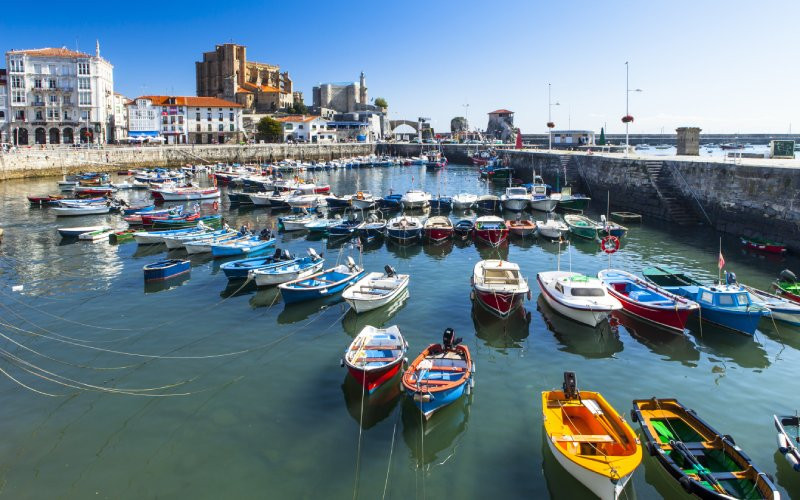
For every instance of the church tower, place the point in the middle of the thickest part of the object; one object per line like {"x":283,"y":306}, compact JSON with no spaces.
{"x":362,"y":97}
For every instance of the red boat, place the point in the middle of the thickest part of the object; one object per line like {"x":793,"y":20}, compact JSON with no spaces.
{"x":763,"y":245}
{"x":491,"y":230}
{"x":44,"y":199}
{"x":375,"y":356}
{"x":647,"y":301}
{"x":499,"y":286}
{"x":148,"y":220}
{"x":326,"y":188}
{"x":438,"y":228}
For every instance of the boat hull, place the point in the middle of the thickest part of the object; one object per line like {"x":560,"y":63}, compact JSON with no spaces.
{"x":499,"y":304}
{"x":492,"y":237}
{"x":167,"y":270}
{"x":437,"y":234}
{"x":372,"y":379}
{"x":598,"y":484}
{"x":263,"y":279}
{"x":294,"y":295}
{"x":515,"y":204}
{"x":590,"y":317}
{"x":543,"y":205}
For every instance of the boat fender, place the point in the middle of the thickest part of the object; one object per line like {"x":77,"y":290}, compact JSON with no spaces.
{"x":634,"y":418}
{"x":216,"y":205}
{"x":468,"y":390}
{"x":727,"y":437}
{"x":686,"y":483}
{"x":341,"y":362}
{"x":350,"y":262}
{"x":792,"y":461}
{"x":472,"y":295}
{"x":473,"y":367}
{"x":423,"y":398}
{"x":651,"y":449}
{"x":783,"y":444}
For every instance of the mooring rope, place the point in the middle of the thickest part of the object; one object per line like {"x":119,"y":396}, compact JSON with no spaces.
{"x":360,"y":434}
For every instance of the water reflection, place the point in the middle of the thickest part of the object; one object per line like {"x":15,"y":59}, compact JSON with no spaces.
{"x":577,"y":338}
{"x":292,"y":313}
{"x":377,"y":406}
{"x":238,"y":287}
{"x":148,"y":250}
{"x":786,"y":476}
{"x":782,"y":333}
{"x":671,"y":346}
{"x":353,"y":323}
{"x":487,"y":251}
{"x":438,"y":250}
{"x":168,"y":284}
{"x":404,"y":251}
{"x":741,"y":349}
{"x":501,"y":333}
{"x":434,"y":440}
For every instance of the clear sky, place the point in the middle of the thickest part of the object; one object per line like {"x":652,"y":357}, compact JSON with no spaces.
{"x":725,"y":66}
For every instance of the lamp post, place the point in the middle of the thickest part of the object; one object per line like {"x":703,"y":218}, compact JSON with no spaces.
{"x":550,"y":123}
{"x":628,"y":118}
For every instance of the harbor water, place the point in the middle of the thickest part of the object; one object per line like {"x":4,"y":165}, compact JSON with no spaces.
{"x":195,"y":388}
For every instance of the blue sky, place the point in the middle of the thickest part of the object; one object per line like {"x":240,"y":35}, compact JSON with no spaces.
{"x":726,"y":66}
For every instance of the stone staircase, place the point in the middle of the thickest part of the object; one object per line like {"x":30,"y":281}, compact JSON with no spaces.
{"x":573,"y":171}
{"x":675,"y":204}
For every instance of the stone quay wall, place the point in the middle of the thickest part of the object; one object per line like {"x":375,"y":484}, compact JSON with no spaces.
{"x":48,"y":162}
{"x":738,"y":199}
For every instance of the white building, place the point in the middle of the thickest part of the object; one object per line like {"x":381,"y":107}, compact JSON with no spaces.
{"x":3,"y":106}
{"x":119,"y":117}
{"x":59,"y":96}
{"x":306,"y":128}
{"x":185,"y":119}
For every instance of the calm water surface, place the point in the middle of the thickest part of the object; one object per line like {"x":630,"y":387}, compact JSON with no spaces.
{"x":193,"y":391}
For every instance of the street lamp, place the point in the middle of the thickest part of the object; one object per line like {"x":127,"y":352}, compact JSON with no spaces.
{"x":550,"y":123}
{"x":627,"y":118}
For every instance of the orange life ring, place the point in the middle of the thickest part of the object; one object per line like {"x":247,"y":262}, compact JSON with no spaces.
{"x":609,"y":244}
{"x":360,"y":196}
{"x":216,"y":205}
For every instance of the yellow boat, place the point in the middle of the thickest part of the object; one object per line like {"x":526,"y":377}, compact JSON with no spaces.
{"x":590,"y":439}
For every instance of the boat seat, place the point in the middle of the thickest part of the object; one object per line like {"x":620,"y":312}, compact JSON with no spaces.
{"x":584,"y":438}
{"x":724,"y":476}
{"x":378,"y":347}
{"x":447,"y":369}
{"x":435,"y":382}
{"x":696,"y":445}
{"x":374,"y":360}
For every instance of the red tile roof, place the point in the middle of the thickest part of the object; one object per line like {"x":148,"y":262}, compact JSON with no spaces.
{"x":262,"y":88}
{"x":208,"y":102}
{"x":296,"y":118}
{"x":50,"y":52}
{"x":501,"y":112}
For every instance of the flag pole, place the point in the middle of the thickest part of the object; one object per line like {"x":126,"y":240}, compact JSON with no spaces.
{"x":719,"y":263}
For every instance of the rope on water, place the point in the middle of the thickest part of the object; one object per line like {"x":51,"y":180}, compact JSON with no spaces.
{"x":391,"y":450}
{"x":360,"y":434}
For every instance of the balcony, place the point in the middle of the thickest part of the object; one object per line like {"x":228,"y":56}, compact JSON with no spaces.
{"x":38,"y":104}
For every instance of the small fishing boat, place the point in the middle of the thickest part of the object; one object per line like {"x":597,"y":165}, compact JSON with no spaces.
{"x":629,"y":217}
{"x":491,"y":230}
{"x":464,"y":201}
{"x":568,"y":201}
{"x":346,"y":228}
{"x":515,"y":199}
{"x":442,"y":203}
{"x":335,"y":202}
{"x":438,"y":228}
{"x":362,"y":200}
{"x":204,"y":245}
{"x":552,"y":228}
{"x":166,"y":269}
{"x":44,"y":199}
{"x":374,"y":227}
{"x":300,"y":201}
{"x":780,"y":309}
{"x":322,"y":224}
{"x":487,"y":203}
{"x":787,"y":286}
{"x":74,"y":232}
{"x":788,"y":428}
{"x":181,"y":239}
{"x":499,"y":287}
{"x":589,"y":438}
{"x":100,"y":234}
{"x":240,"y":269}
{"x":404,"y":229}
{"x":582,"y":226}
{"x":415,"y":199}
{"x":185,"y":194}
{"x":703,"y":461}
{"x":132,"y":209}
{"x":521,"y":227}
{"x":647,"y":301}
{"x":157,"y":237}
{"x":295,"y":222}
{"x":324,"y":284}
{"x":88,"y":209}
{"x":375,"y":290}
{"x":440,"y":375}
{"x":728,"y":305}
{"x":375,"y":356}
{"x":463,"y":229}
{"x":118,"y":237}
{"x":765,"y":246}
{"x":540,"y":200}
{"x":288,"y":271}
{"x":391,"y":202}
{"x":244,"y":246}
{"x":578,"y":297}
{"x":611,"y":228}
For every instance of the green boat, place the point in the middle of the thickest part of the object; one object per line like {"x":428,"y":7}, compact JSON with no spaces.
{"x":121,"y":236}
{"x":582,"y":226}
{"x":787,"y":286}
{"x":569,"y":201}
{"x":701,"y":460}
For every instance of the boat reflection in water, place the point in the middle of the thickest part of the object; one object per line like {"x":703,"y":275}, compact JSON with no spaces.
{"x":438,"y":250}
{"x":377,"y":406}
{"x":406,"y":251}
{"x":670,"y":345}
{"x":265,"y":297}
{"x":354,"y":323}
{"x":508,"y":333}
{"x":437,"y":438}
{"x":489,"y":252}
{"x":300,"y":311}
{"x":168,"y":284}
{"x":591,"y":343}
{"x":235,"y":288}
{"x":741,"y":349}
{"x":785,"y":475}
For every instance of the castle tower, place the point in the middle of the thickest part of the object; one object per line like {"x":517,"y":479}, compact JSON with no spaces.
{"x":362,"y":81}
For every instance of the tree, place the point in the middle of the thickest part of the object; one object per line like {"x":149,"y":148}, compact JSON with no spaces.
{"x":381,"y":102}
{"x":269,"y":130}
{"x":298,"y":108}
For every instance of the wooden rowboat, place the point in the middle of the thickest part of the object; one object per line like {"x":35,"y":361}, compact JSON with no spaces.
{"x":375,"y":356}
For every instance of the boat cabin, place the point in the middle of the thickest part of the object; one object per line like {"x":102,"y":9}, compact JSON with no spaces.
{"x":580,"y":286}
{"x":723,"y":296}
{"x":516,"y":192}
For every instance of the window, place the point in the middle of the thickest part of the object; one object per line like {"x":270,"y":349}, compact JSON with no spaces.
{"x":230,"y":116}
{"x":83,"y":68}
{"x":164,"y":120}
{"x":726,"y":300}
{"x":2,"y":114}
{"x":83,"y":84}
{"x":742,"y":299}
{"x":587,"y":292}
{"x":39,"y":115}
{"x":232,"y":128}
{"x":51,"y":114}
{"x":51,"y":83}
{"x":66,"y":115}
{"x":53,"y":99}
{"x":208,"y":116}
{"x":51,"y":68}
{"x":220,"y":116}
{"x":16,"y":65}
{"x":84,"y":98}
{"x":197,"y":116}
{"x":67,"y":100}
{"x":37,"y":100}
{"x":37,"y":83}
{"x":16,"y":82}
{"x":209,"y":138}
{"x":180,"y":119}
{"x":209,"y":128}
{"x":198,"y":127}
{"x":18,"y":97}
{"x":289,"y":126}
{"x":221,"y":127}
{"x":19,"y":115}
{"x":85,"y":115}
{"x":300,"y":126}
{"x":172,"y":119}
{"x":706,"y":297}
{"x":37,"y":68}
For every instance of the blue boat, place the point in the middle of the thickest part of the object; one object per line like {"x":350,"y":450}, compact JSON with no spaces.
{"x":729,"y":305}
{"x":373,"y":228}
{"x":242,"y":268}
{"x":283,"y":272}
{"x":137,"y":209}
{"x":346,"y":228}
{"x":404,"y":229}
{"x":321,"y":225}
{"x":335,"y":202}
{"x":390,"y":202}
{"x":324,"y":284}
{"x":440,"y":375}
{"x":165,"y":269}
{"x":442,"y":203}
{"x":241,"y":246}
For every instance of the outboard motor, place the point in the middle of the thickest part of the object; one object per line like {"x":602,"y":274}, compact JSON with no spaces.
{"x":787,"y":276}
{"x":449,"y":340}
{"x":390,"y":272}
{"x":570,"y":386}
{"x":264,"y":234}
{"x":730,"y":278}
{"x":277,"y":255}
{"x":286,"y":254}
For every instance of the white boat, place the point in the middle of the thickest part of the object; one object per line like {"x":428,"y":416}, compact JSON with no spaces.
{"x":262,"y":199}
{"x":540,"y":201}
{"x":180,"y":240}
{"x":499,"y":286}
{"x":415,"y":199}
{"x":100,"y":234}
{"x":362,"y":200}
{"x":375,"y":290}
{"x":186,"y":194}
{"x":306,"y":201}
{"x":295,"y":222}
{"x":88,"y":209}
{"x":289,"y":271}
{"x":552,"y":228}
{"x":515,"y":199}
{"x":74,"y":232}
{"x":578,"y":297}
{"x":204,"y":245}
{"x":464,"y":201}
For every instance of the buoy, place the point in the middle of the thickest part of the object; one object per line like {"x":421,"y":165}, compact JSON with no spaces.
{"x":783,"y":444}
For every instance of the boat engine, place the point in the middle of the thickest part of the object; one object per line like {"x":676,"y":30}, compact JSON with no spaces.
{"x":730,"y":278}
{"x":787,"y":276}
{"x":390,"y":272}
{"x":449,"y":340}
{"x":570,"y":386}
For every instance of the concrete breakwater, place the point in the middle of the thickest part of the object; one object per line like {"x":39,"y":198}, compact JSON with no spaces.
{"x":45,"y":162}
{"x":739,"y":199}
